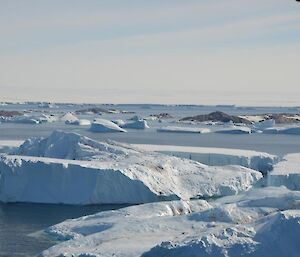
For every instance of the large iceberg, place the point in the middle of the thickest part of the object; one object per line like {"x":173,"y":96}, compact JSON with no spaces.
{"x":69,"y":168}
{"x":293,"y":130}
{"x":138,"y":124}
{"x":260,"y":222}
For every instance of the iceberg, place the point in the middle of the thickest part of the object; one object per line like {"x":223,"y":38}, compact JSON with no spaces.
{"x":260,"y":222}
{"x":72,"y":169}
{"x":138,"y":124}
{"x":68,"y":118}
{"x":102,"y":125}
{"x":79,"y":122}
{"x":286,"y":172}
{"x":264,"y":124}
{"x":183,"y":129}
{"x":119,"y":122}
{"x":260,"y":161}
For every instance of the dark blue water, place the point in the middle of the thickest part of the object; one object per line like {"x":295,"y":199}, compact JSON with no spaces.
{"x":19,"y":220}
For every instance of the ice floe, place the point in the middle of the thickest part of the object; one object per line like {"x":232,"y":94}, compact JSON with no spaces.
{"x":138,"y":124}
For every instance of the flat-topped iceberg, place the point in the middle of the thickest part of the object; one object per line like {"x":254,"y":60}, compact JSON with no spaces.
{"x":260,"y":222}
{"x":286,"y":172}
{"x":214,"y":156}
{"x":183,"y":129}
{"x":69,"y":168}
{"x":102,"y":125}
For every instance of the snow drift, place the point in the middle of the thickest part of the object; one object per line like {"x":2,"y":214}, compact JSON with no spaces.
{"x":69,"y":168}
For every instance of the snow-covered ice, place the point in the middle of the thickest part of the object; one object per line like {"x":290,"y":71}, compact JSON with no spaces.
{"x":183,"y":129}
{"x":69,"y":168}
{"x":102,"y":125}
{"x":286,"y":172}
{"x":260,"y":222}
{"x":260,"y":161}
{"x":138,"y":124}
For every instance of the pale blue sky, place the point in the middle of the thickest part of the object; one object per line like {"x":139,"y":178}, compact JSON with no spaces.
{"x":198,"y":52}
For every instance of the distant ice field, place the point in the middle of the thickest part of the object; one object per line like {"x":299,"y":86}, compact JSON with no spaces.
{"x":274,"y":144}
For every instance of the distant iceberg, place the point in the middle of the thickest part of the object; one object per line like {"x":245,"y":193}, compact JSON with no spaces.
{"x":102,"y":125}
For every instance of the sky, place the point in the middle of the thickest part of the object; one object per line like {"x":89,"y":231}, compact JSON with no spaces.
{"x":159,"y":51}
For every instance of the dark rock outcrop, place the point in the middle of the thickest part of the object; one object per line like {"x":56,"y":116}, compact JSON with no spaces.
{"x":217,"y":116}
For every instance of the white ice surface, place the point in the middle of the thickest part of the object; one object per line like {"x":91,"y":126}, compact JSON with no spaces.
{"x":286,"y":172}
{"x":79,"y":122}
{"x":218,"y":156}
{"x":138,"y":124}
{"x":80,"y":170}
{"x":260,"y":222}
{"x":68,"y":118}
